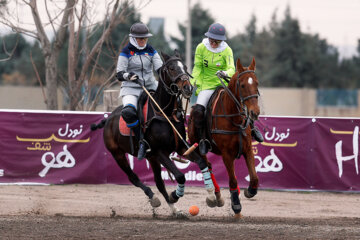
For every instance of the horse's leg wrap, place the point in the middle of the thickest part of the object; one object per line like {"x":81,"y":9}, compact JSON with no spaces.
{"x":235,"y":201}
{"x":180,"y":190}
{"x":209,"y":185}
{"x":211,"y":198}
{"x":216,"y":185}
{"x":178,"y":193}
{"x":236,"y":189}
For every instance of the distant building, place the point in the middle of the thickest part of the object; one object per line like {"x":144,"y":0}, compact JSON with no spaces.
{"x":156,"y":24}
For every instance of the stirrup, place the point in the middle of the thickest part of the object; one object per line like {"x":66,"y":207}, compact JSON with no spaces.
{"x":204,"y":146}
{"x":257,"y":134}
{"x":148,"y":148}
{"x":144,"y":147}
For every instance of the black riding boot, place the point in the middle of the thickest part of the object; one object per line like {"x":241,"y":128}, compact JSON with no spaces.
{"x":200,"y":125}
{"x":204,"y":144}
{"x":143,"y":145}
{"x":143,"y":149}
{"x":256,"y":133}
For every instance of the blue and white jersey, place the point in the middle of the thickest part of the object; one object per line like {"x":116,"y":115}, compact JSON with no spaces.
{"x":141,"y":62}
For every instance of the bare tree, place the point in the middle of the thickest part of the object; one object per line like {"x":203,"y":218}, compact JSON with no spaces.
{"x":66,"y":20}
{"x":8,"y":53}
{"x":3,"y":7}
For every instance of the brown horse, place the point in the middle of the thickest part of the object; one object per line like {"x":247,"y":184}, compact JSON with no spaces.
{"x":228,"y":115}
{"x":163,"y":139}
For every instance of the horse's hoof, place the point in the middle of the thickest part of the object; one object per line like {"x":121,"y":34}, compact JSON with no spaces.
{"x":238,"y":216}
{"x":250,"y":192}
{"x":181,"y":215}
{"x":220,"y":200}
{"x":211,"y":201}
{"x":155,"y":202}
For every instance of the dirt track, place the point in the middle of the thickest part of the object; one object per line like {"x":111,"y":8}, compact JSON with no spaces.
{"x":123,"y":212}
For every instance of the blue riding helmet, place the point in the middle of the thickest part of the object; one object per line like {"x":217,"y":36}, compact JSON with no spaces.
{"x":216,"y":31}
{"x":139,"y":30}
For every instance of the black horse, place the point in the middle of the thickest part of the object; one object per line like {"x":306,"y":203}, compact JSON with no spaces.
{"x":163,"y":139}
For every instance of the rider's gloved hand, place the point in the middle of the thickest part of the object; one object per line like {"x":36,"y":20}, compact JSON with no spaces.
{"x":124,"y":76}
{"x":221,"y":74}
{"x":132,"y":77}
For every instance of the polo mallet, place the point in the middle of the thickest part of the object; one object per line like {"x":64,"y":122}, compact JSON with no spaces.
{"x":189,"y":148}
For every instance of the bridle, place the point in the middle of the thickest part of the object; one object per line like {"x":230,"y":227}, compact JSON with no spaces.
{"x":242,"y":99}
{"x":241,"y":106}
{"x":173,"y":89}
{"x":242,"y":110}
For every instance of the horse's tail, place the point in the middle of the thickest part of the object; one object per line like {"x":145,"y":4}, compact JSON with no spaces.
{"x":95,"y":126}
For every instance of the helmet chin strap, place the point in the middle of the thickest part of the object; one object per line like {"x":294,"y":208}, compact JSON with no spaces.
{"x":134,"y":42}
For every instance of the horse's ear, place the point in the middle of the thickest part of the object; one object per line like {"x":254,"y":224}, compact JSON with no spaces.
{"x":239,"y":67}
{"x":176,"y":53}
{"x":165,"y":57}
{"x":252,"y":65}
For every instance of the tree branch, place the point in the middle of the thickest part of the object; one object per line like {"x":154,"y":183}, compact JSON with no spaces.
{"x":39,"y":26}
{"x":61,"y":34}
{"x":38,"y":78}
{"x":50,"y":19}
{"x":113,"y":21}
{"x":111,"y":78}
{"x":7,"y":53}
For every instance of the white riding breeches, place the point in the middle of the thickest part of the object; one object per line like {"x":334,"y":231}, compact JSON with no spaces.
{"x":130,"y":99}
{"x":204,"y":97}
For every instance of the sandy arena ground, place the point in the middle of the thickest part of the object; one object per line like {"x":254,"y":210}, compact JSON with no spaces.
{"x":123,"y":212}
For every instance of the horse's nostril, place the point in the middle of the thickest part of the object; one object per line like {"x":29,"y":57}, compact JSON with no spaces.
{"x":188,"y":88}
{"x":254,"y":115}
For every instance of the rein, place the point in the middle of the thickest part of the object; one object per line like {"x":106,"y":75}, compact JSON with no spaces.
{"x":242,"y":100}
{"x":174,"y":92}
{"x":241,"y":107}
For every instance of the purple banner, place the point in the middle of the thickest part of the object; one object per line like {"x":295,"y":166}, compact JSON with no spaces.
{"x":51,"y":147}
{"x":59,"y":148}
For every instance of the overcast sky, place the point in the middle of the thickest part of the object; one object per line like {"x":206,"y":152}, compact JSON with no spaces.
{"x":337,"y":21}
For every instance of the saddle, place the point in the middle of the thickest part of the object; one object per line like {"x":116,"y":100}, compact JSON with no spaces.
{"x":210,"y":111}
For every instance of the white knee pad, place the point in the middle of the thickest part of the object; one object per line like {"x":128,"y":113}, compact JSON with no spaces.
{"x":130,"y":99}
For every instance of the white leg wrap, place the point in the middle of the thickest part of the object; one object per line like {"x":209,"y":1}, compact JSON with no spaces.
{"x":180,"y":190}
{"x":209,"y":185}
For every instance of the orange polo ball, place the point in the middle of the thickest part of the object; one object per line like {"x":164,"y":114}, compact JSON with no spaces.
{"x":194,"y":210}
